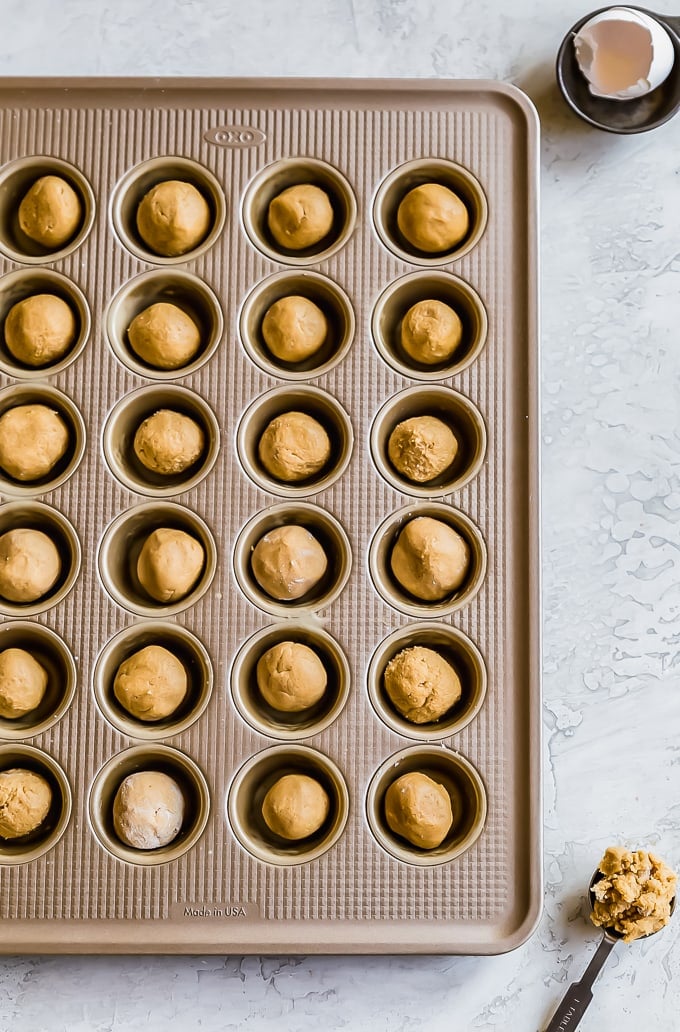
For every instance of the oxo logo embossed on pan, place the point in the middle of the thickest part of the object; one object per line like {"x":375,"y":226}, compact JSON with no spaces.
{"x":235,"y":136}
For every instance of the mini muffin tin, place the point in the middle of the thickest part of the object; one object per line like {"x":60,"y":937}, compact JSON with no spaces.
{"x":227,"y":883}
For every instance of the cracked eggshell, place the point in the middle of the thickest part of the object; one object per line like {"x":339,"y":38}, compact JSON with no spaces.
{"x":623,"y":53}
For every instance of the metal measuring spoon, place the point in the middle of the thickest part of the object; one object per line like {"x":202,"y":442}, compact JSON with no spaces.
{"x":637,"y":115}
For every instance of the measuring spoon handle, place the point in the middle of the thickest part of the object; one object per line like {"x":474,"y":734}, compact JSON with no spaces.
{"x":579,"y":994}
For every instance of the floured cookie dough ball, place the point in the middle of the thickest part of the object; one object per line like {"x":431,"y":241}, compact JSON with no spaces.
{"x":294,"y":446}
{"x":430,"y":558}
{"x":294,"y":328}
{"x":433,"y":218}
{"x":170,"y":564}
{"x":23,"y":682}
{"x":25,"y":800}
{"x":300,"y":216}
{"x":51,"y":212}
{"x":151,"y":683}
{"x":419,"y":809}
{"x":291,"y":677}
{"x":430,"y":332}
{"x":421,"y":685}
{"x":634,"y":895}
{"x":295,"y":806}
{"x":287,"y":562}
{"x":168,"y":442}
{"x":173,"y":218}
{"x":421,"y":448}
{"x":148,"y":810}
{"x":164,"y":336}
{"x":40,"y":329}
{"x":32,"y":440}
{"x":29,"y":564}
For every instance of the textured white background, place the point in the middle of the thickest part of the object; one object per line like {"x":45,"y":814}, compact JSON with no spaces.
{"x":611,"y":523}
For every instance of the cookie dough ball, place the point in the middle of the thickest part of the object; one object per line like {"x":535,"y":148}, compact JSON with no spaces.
{"x":151,"y":683}
{"x":168,"y":442}
{"x":291,"y":677}
{"x":433,"y":218}
{"x":29,"y":564}
{"x":430,"y":558}
{"x":295,"y":806}
{"x":51,"y":212}
{"x":300,"y":216}
{"x":173,"y":218}
{"x":25,"y":800}
{"x":419,"y":809}
{"x":294,"y":328}
{"x":287,"y":562}
{"x":430,"y":332}
{"x":164,"y":336}
{"x":32,"y":440}
{"x":40,"y":330}
{"x":23,"y":682}
{"x":421,"y":685}
{"x":148,"y":810}
{"x":421,"y":448}
{"x":170,"y":564}
{"x":294,"y":447}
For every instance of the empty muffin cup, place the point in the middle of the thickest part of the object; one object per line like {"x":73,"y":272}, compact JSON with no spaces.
{"x":33,"y":451}
{"x":36,"y":516}
{"x":277,"y":403}
{"x":122,"y":543}
{"x":50,"y":652}
{"x":34,"y":844}
{"x":401,"y":295}
{"x":395,"y":187}
{"x":253,"y":781}
{"x":152,"y":758}
{"x":466,"y":793}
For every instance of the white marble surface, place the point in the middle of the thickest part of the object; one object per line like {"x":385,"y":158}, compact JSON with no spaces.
{"x":611,"y":523}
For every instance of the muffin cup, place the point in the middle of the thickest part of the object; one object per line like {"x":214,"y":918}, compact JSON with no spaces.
{"x":257,"y":712}
{"x":149,"y":758}
{"x":16,"y":179}
{"x":330,"y":535}
{"x":384,"y":540}
{"x":125,"y":419}
{"x":326,"y":294}
{"x":251,"y":784}
{"x":38,"y":516}
{"x":12,"y":397}
{"x":453,"y":646}
{"x":122,"y":542}
{"x":37,"y":843}
{"x":271,"y":181}
{"x":466,"y":791}
{"x":314,"y":402}
{"x":401,"y":295}
{"x":460,"y":415}
{"x":55,"y":657}
{"x":406,"y":177}
{"x":185,"y":646}
{"x":131,"y":189}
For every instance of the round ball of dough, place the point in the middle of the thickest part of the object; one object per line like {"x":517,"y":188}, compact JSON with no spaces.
{"x":288,"y":561}
{"x":173,"y":218}
{"x":295,"y":806}
{"x":433,"y":218}
{"x":294,"y":446}
{"x":25,"y":800}
{"x":23,"y":682}
{"x":300,"y":216}
{"x":151,"y":683}
{"x":294,"y":328}
{"x":168,"y":442}
{"x":421,"y":685}
{"x":164,"y":336}
{"x":421,"y":448}
{"x":51,"y":212}
{"x":32,"y":440}
{"x":40,"y":329}
{"x":148,"y":810}
{"x":430,"y":558}
{"x":29,"y":564}
{"x":291,"y":677}
{"x":170,"y":564}
{"x":430,"y":332}
{"x":419,"y":809}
